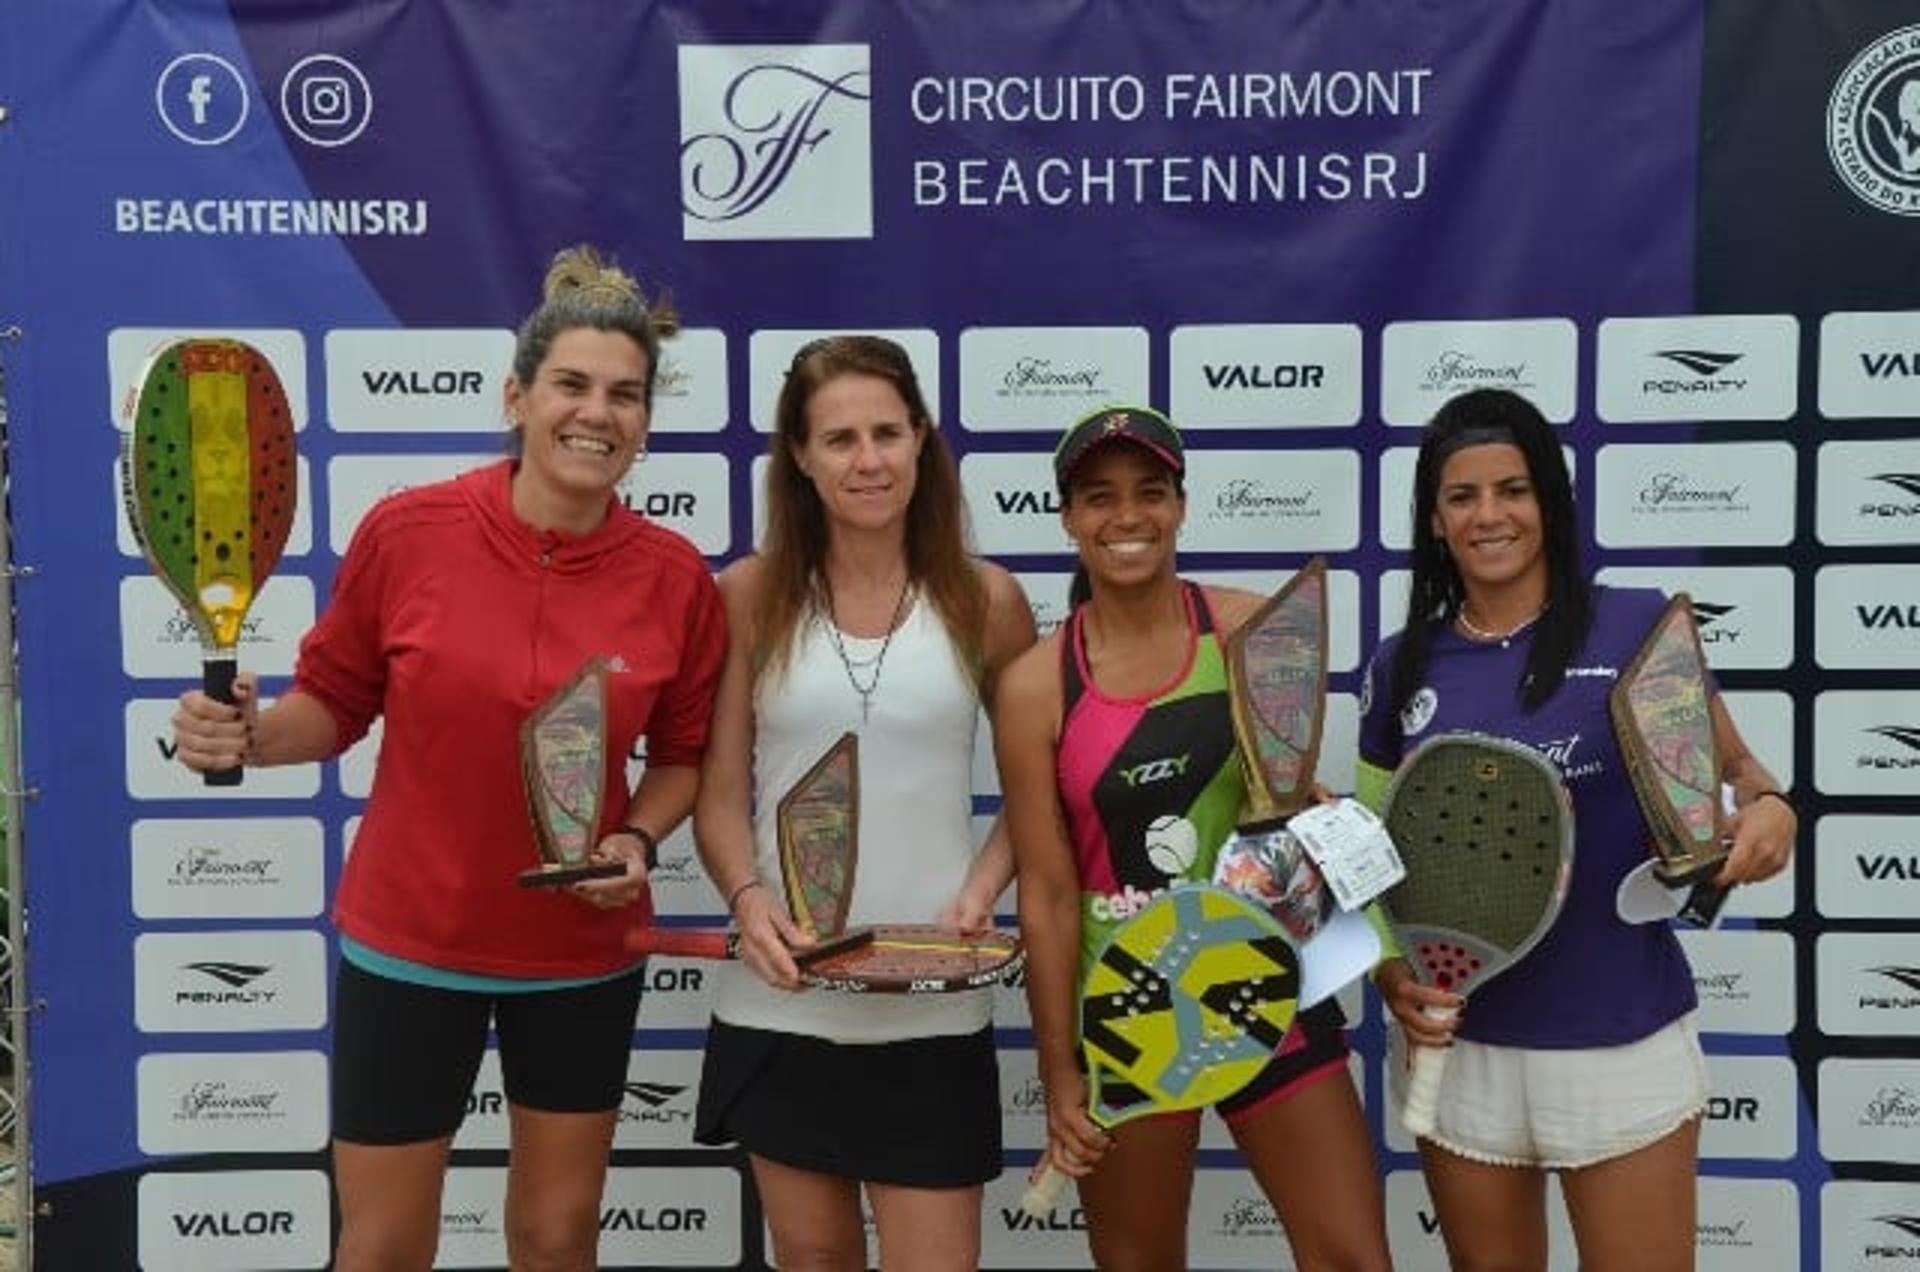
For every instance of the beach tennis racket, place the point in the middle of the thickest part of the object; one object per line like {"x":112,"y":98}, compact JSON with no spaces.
{"x":1277,"y":689}
{"x":1662,"y":718}
{"x":1485,"y":828}
{"x":886,"y":958}
{"x":208,"y":476}
{"x":1184,"y":1006}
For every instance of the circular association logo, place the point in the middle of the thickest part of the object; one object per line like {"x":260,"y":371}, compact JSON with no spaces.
{"x":1418,"y":713}
{"x":1873,"y":123}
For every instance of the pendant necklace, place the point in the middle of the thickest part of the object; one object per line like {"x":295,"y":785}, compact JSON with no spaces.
{"x":878,"y":661}
{"x":1505,"y":638}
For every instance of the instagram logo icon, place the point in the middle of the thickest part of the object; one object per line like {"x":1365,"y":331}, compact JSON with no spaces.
{"x":325,"y":100}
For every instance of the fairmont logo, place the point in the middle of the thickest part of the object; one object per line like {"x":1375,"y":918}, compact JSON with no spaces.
{"x":1456,"y":370}
{"x":1041,"y":377}
{"x":216,"y":1101}
{"x":216,"y":867}
{"x":1245,"y":497}
{"x":1705,"y":369}
{"x":1249,"y":1216}
{"x":447,"y":382}
{"x":178,"y":629}
{"x":1906,"y":736}
{"x":1029,"y":1097}
{"x":670,"y":379}
{"x":1282,"y":375}
{"x":1678,"y":491}
{"x":1892,"y":1106}
{"x":1561,"y":752}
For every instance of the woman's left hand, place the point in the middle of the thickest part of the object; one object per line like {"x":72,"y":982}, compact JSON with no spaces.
{"x":1763,"y":834}
{"x":966,"y":913}
{"x":616,"y":891}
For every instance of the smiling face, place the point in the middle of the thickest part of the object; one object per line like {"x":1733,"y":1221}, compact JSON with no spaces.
{"x":1123,"y":512}
{"x":581,"y":421}
{"x":861,"y":452}
{"x":1488,"y":515}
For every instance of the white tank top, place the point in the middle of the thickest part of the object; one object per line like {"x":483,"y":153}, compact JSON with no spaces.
{"x":916,"y":807}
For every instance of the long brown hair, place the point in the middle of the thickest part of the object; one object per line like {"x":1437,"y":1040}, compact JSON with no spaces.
{"x":793,"y":553}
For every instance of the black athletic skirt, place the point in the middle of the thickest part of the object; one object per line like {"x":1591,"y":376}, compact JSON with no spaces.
{"x":920,"y":1113}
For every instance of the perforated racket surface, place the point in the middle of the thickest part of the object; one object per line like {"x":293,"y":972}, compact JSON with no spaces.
{"x":887,"y":958}
{"x":1485,"y":828}
{"x":1663,"y":720}
{"x":209,"y":483}
{"x":1184,"y":1006}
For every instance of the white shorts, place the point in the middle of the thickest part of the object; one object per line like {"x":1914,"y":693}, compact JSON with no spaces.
{"x":1560,"y":1110}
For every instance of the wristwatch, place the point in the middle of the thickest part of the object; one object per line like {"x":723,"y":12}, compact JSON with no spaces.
{"x":648,"y":844}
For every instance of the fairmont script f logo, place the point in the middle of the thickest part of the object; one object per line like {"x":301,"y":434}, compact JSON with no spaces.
{"x":775,"y":141}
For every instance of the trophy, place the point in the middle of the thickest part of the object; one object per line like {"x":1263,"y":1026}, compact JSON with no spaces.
{"x":818,"y":826}
{"x":1276,"y":678}
{"x":563,"y":765}
{"x":1661,"y":716}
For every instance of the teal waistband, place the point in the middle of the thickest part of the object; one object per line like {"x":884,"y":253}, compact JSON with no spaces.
{"x":400,"y":969}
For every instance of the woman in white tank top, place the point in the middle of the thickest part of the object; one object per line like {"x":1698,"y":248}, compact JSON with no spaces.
{"x":863,"y":613}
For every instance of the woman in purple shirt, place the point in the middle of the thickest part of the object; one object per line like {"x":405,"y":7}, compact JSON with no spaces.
{"x":1583,"y":1059}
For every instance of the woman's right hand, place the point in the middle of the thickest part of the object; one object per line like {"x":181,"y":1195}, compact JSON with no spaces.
{"x":1075,"y":1142}
{"x":767,"y":936}
{"x":216,"y":735}
{"x":1426,"y":1014}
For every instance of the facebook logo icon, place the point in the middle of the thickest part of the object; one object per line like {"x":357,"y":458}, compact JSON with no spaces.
{"x":202,"y":99}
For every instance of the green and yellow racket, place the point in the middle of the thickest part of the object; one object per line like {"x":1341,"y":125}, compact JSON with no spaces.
{"x":208,"y":475}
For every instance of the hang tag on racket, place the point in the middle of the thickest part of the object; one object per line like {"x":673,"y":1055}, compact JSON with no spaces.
{"x":1352,"y":848}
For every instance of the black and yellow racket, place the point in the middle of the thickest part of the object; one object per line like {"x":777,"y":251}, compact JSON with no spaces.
{"x":1185,"y":1005}
{"x":1485,"y":828}
{"x":208,"y":475}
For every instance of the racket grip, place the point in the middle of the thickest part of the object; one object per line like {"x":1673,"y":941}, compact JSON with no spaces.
{"x":216,"y":681}
{"x":1423,"y":1088}
{"x":1044,"y":1191}
{"x":684,"y":942}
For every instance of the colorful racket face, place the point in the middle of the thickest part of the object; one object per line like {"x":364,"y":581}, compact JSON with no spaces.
{"x":1485,"y":828}
{"x":818,"y":822}
{"x":1662,"y":717}
{"x":1277,"y":685}
{"x":209,"y":478}
{"x":563,"y":763}
{"x":1186,"y":1004}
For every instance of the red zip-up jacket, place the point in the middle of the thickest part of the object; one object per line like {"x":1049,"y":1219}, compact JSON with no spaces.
{"x":454,"y":620}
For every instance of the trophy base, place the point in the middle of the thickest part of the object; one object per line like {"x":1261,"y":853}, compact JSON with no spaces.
{"x":557,"y":876}
{"x":1682,"y":872}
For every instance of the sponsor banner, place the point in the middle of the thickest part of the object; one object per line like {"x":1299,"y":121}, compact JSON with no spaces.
{"x":1869,"y":493}
{"x":228,"y":868}
{"x":229,"y":982}
{"x":1870,"y":1110}
{"x":670,"y":1217}
{"x":1413,"y":1226}
{"x":690,"y":385}
{"x":1868,"y":983}
{"x":1395,"y":587}
{"x":400,"y":380}
{"x":1744,"y":1224}
{"x":1285,"y":502}
{"x":357,"y":762}
{"x":1867,"y":742}
{"x":770,"y":353}
{"x":485,"y":1123}
{"x":1422,"y":364}
{"x":775,"y":141}
{"x":235,"y":1221}
{"x":1867,"y":616}
{"x":1047,"y":593}
{"x":236,"y":1102}
{"x":1870,"y":364}
{"x":1765,"y":720}
{"x":299,"y":535}
{"x":357,"y":482}
{"x":129,"y":349}
{"x":1738,"y":609}
{"x":1012,"y":1238}
{"x":1705,"y":367}
{"x":1870,"y":1225}
{"x":1867,"y":867}
{"x":1744,"y":980}
{"x":158,"y":641}
{"x":679,"y":883}
{"x":1726,"y":494}
{"x":1343,"y":606}
{"x":473,"y":1220}
{"x":1015,"y":506}
{"x":1265,"y":375}
{"x":684,"y":493}
{"x":678,"y":994}
{"x":1044,"y":378}
{"x":1023,"y":1100}
{"x":1753,"y":1109}
{"x":153,"y":772}
{"x":657,"y":1100}
{"x":1231,"y":1224}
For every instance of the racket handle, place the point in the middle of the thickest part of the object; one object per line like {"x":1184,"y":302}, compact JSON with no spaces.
{"x":713,"y":943}
{"x":216,"y":681}
{"x":1423,"y":1088}
{"x":1043,"y":1191}
{"x":1702,"y":908}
